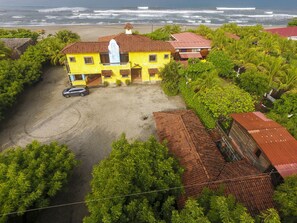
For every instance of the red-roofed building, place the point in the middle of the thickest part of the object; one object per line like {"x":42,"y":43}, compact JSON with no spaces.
{"x":204,"y":165}
{"x":189,"y":45}
{"x":287,"y":32}
{"x":267,"y":144}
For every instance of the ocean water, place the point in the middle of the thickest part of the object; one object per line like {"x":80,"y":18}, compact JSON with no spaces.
{"x":187,"y":12}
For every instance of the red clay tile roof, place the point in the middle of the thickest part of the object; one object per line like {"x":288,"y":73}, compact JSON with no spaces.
{"x":127,"y":43}
{"x":279,"y":146}
{"x":204,"y":165}
{"x":190,"y":55}
{"x":189,"y":40}
{"x":285,"y":31}
{"x":232,"y":36}
{"x":128,"y":26}
{"x":86,"y":47}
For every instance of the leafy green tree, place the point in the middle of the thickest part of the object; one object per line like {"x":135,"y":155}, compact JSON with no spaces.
{"x":203,"y":31}
{"x":18,"y":33}
{"x":164,"y":33}
{"x":222,"y":101}
{"x":292,"y":22}
{"x":288,"y":81}
{"x":220,"y":208}
{"x":254,"y":82}
{"x":284,"y":111}
{"x":226,"y":209}
{"x":206,"y":81}
{"x":197,"y":67}
{"x":132,"y":184}
{"x":10,"y":85}
{"x":222,"y":62}
{"x":30,"y":176}
{"x":191,"y":213}
{"x":270,"y":216}
{"x":285,"y":197}
{"x":171,"y":74}
{"x":67,"y":36}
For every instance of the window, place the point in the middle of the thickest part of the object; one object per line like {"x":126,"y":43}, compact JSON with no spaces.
{"x":78,"y":77}
{"x":104,"y":57}
{"x":88,"y":60}
{"x":72,"y":59}
{"x":124,"y":57}
{"x":195,"y":50}
{"x":153,"y":58}
{"x":166,"y":56}
{"x":258,"y":153}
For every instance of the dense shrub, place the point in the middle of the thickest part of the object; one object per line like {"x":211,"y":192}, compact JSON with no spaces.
{"x":118,"y":82}
{"x":284,"y":111}
{"x":170,"y":75}
{"x":222,"y":62}
{"x":285,"y":196}
{"x":15,"y":75}
{"x":193,"y":102}
{"x":254,"y":82}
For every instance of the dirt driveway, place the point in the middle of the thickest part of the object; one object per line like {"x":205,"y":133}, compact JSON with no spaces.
{"x":87,"y":125}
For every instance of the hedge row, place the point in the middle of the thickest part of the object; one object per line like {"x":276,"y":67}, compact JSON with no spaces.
{"x":193,"y":102}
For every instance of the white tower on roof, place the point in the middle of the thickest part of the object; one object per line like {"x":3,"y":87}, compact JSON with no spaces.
{"x":128,"y":28}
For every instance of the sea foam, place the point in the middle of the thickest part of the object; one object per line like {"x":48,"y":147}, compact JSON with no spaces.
{"x":235,"y":9}
{"x":62,"y":9}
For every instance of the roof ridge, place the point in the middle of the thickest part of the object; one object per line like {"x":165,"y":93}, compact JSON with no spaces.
{"x":190,"y":141}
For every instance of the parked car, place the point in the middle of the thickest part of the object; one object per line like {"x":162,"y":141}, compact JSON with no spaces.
{"x":75,"y":91}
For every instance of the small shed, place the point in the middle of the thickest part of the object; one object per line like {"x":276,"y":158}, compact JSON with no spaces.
{"x":267,"y":144}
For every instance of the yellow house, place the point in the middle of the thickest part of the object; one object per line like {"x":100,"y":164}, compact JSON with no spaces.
{"x":123,"y":57}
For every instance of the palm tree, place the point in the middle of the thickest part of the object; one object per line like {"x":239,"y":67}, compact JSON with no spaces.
{"x":288,"y":81}
{"x":206,"y":81}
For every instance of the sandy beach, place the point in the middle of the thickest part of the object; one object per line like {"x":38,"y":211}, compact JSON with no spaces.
{"x":92,"y":32}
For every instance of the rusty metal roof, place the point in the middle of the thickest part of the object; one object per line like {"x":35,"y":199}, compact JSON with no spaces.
{"x":278,"y":145}
{"x":204,"y":165}
{"x":254,"y":121}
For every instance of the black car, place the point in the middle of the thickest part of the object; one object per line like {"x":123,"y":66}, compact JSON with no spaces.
{"x":75,"y":91}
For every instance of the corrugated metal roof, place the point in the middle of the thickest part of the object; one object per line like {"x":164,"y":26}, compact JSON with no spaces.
{"x":278,"y":145}
{"x":204,"y":165}
{"x":287,"y":169}
{"x":254,"y":121}
{"x":189,"y":40}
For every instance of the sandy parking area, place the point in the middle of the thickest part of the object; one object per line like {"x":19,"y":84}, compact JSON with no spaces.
{"x":87,"y":125}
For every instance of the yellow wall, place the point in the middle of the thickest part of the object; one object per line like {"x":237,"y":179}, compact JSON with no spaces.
{"x":137,"y":59}
{"x":79,"y":67}
{"x":142,"y":59}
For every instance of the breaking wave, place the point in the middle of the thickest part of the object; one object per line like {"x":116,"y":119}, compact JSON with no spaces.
{"x":62,"y":9}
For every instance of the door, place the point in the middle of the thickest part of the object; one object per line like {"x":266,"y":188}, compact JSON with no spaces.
{"x":136,"y":75}
{"x":94,"y":80}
